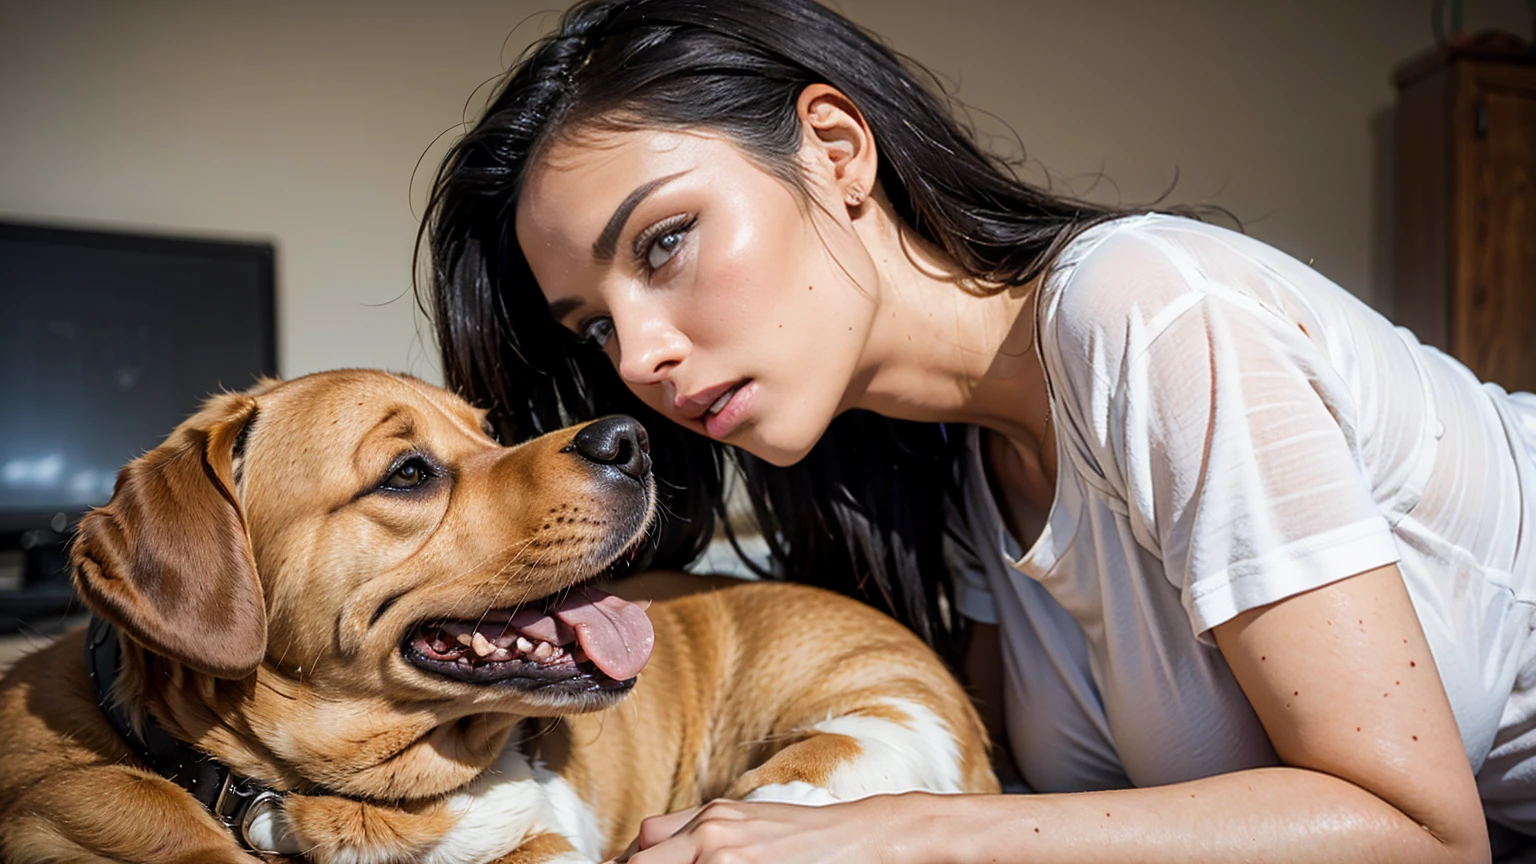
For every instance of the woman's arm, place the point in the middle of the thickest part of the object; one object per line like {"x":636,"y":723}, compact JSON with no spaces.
{"x":1344,"y":683}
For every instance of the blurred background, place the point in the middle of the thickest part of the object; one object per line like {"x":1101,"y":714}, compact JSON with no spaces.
{"x":315,"y":127}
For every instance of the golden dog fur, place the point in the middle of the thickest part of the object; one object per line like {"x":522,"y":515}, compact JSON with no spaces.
{"x":264,"y":587}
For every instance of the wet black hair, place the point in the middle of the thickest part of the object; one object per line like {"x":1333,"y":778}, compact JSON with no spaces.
{"x":864,"y":512}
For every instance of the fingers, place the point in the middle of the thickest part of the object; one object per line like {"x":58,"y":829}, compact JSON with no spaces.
{"x":654,"y":830}
{"x":658,"y":828}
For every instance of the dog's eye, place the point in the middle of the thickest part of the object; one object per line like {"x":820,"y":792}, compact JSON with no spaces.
{"x":411,"y":474}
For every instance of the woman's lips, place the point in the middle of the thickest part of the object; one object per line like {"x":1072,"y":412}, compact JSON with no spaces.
{"x":696,"y":406}
{"x":730,"y":415}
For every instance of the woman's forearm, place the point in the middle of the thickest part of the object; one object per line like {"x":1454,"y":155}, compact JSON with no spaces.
{"x":1263,"y":815}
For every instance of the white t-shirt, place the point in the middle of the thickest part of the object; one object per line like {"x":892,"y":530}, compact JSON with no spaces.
{"x":1233,"y":429}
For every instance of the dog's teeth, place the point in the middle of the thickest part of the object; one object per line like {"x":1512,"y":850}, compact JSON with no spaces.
{"x":524,"y":645}
{"x":481,"y":645}
{"x":544,"y":651}
{"x":465,"y":640}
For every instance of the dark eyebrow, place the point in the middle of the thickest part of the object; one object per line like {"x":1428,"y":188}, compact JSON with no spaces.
{"x":603,"y":249}
{"x":561,"y":308}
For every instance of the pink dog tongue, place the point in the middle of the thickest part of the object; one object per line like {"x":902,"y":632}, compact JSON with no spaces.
{"x":615,"y":634}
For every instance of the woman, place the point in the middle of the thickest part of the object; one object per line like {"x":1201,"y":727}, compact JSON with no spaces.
{"x":1212,"y":525}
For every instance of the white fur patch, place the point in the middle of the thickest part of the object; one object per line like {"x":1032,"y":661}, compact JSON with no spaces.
{"x":797,"y":792}
{"x":269,"y":832}
{"x":897,"y":757}
{"x":513,"y":800}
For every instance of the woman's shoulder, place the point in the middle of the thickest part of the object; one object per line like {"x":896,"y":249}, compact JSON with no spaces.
{"x":1137,"y":274}
{"x":1112,"y":276}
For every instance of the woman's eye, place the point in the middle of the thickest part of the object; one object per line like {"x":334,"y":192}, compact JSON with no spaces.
{"x":656,"y":245}
{"x":597,"y":331}
{"x":408,"y":476}
{"x":664,"y":248}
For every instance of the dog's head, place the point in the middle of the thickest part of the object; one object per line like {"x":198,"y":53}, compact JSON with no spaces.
{"x":358,"y":551}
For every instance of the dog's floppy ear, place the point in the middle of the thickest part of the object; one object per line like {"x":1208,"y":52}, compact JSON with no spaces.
{"x":168,"y":560}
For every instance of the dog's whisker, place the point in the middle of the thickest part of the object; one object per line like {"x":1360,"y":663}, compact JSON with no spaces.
{"x":499,"y":572}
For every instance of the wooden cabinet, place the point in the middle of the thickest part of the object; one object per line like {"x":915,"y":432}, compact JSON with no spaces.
{"x":1466,"y":208}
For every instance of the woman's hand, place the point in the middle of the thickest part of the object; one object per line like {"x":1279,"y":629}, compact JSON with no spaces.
{"x":853,"y":832}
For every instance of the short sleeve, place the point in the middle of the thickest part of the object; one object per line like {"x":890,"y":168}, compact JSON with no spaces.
{"x":1218,"y":424}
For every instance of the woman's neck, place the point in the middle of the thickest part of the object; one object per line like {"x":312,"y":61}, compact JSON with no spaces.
{"x":940,"y":352}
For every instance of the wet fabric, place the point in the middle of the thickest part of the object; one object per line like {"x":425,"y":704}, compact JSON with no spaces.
{"x":1233,"y":429}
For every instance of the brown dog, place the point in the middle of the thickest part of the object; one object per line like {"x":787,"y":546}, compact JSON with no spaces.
{"x":379,"y":625}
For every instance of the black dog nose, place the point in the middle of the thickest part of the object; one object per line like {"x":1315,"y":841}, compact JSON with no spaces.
{"x":618,"y":441}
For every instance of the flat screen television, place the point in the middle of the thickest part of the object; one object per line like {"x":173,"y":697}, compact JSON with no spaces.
{"x":111,"y":340}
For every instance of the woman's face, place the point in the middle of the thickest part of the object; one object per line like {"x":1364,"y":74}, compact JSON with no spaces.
{"x":705,"y":280}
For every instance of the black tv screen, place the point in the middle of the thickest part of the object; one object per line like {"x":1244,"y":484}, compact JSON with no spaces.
{"x":112,"y":340}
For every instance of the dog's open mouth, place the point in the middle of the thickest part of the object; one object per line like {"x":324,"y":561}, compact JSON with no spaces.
{"x":584,"y":640}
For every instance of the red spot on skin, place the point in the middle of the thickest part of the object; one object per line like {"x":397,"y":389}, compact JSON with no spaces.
{"x":810,"y":287}
{"x":1262,"y":658}
{"x":1357,"y":728}
{"x":1037,"y":830}
{"x":1415,"y":737}
{"x":1412,"y":664}
{"x":1296,"y":693}
{"x":1398,"y":683}
{"x":1106,"y":815}
{"x":1385,"y":695}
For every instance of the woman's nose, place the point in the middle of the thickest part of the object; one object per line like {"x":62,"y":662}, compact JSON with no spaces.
{"x":649,"y":350}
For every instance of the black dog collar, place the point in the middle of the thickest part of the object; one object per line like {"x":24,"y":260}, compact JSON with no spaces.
{"x":235,"y":801}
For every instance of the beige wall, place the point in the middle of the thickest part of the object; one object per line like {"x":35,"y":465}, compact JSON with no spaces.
{"x":303,"y":122}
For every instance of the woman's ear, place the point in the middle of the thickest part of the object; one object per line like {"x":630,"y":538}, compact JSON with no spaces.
{"x":168,"y":559}
{"x":837,"y":144}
